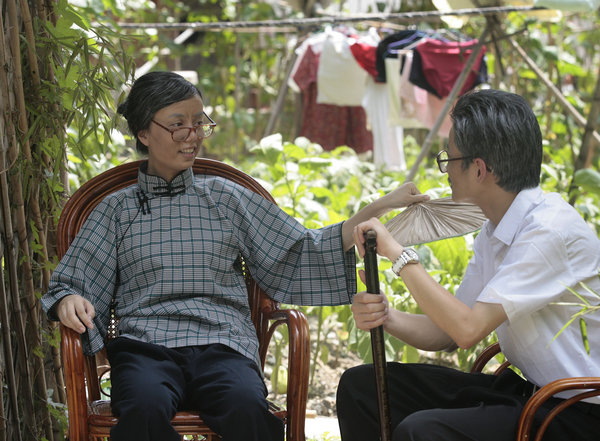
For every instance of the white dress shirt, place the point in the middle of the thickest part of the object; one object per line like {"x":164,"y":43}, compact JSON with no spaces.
{"x":540,"y":249}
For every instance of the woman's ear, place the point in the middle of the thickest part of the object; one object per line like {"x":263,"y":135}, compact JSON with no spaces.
{"x":142,"y":135}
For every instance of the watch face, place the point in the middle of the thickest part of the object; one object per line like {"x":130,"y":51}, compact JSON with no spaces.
{"x":412,"y":254}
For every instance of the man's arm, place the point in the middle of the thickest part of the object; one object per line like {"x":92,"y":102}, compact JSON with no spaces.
{"x":372,"y":310}
{"x":464,"y":325}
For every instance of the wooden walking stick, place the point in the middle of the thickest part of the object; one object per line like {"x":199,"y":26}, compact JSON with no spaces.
{"x":377,"y":342}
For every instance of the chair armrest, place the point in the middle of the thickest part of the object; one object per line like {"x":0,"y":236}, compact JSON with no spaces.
{"x":547,"y":392}
{"x":74,"y":372}
{"x":486,"y":355}
{"x":298,"y":366}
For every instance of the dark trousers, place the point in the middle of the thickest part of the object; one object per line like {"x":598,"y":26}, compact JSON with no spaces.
{"x":150,"y":383}
{"x":435,"y":403}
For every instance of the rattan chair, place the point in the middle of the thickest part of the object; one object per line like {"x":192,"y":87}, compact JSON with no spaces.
{"x":90,"y":417}
{"x":589,"y":386}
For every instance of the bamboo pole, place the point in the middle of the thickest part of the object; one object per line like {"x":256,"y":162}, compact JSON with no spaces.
{"x":11,"y":380}
{"x":278,"y":106}
{"x":30,"y":37}
{"x":35,"y":183}
{"x":33,"y":307}
{"x":586,"y":152}
{"x":10,"y":263}
{"x":311,"y":22}
{"x":45,"y":13}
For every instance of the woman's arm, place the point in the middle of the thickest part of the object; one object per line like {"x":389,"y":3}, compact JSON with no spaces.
{"x":405,"y":195}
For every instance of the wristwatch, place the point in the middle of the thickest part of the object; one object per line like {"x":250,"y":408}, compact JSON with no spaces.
{"x":408,"y":256}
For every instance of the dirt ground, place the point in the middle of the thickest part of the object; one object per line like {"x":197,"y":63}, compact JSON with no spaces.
{"x":321,"y":393}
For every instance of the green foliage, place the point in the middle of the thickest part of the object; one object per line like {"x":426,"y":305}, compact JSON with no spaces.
{"x":89,"y":73}
{"x":58,"y":412}
{"x":325,"y":437}
{"x":588,"y":180}
{"x":586,"y":308}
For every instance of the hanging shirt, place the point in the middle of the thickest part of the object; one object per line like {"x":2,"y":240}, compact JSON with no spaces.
{"x":418,"y":107}
{"x":388,"y":47}
{"x":326,"y":124}
{"x":340,"y":79}
{"x":438,"y":64}
{"x":364,"y":54}
{"x":388,"y":139}
{"x":540,"y":249}
{"x":173,"y":260}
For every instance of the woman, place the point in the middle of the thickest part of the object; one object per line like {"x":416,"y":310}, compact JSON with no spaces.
{"x":167,"y":252}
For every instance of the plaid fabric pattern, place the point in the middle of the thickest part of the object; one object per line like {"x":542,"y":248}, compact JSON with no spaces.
{"x":171,"y":253}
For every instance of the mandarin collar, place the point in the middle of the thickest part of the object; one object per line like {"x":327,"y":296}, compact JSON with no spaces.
{"x":157,"y":186}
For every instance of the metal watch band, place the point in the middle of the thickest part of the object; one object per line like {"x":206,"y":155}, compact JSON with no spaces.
{"x":408,"y":256}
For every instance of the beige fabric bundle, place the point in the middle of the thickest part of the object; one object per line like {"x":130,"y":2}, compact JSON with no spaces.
{"x":434,"y":220}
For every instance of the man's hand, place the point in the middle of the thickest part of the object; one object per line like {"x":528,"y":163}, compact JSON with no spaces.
{"x":369,"y":310}
{"x":386,"y":244}
{"x":76,"y":313}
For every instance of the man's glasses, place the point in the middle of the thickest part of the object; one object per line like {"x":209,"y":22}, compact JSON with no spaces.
{"x":443,"y":160}
{"x":180,"y":134}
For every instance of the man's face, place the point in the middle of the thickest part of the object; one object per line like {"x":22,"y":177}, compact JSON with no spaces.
{"x":457,"y":176}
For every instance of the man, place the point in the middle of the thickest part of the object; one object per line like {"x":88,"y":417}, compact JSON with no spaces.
{"x":531,"y":251}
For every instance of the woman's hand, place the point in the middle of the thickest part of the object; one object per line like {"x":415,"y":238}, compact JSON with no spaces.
{"x":405,"y":195}
{"x":76,"y":313}
{"x":369,"y":310}
{"x":386,"y":244}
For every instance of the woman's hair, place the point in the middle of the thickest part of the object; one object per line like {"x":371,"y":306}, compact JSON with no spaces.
{"x":500,"y":128}
{"x":150,"y":93}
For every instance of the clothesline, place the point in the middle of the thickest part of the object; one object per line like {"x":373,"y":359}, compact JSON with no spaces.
{"x":331,"y":19}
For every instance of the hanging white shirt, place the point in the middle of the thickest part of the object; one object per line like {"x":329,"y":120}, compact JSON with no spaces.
{"x":341,"y":80}
{"x":540,"y":249}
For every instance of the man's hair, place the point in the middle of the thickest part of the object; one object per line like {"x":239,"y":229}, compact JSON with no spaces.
{"x":150,"y":93}
{"x":500,"y":128}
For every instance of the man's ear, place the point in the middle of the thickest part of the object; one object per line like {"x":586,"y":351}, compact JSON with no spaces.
{"x":482,"y":168}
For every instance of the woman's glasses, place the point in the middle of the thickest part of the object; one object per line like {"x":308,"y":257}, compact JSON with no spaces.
{"x":180,"y":134}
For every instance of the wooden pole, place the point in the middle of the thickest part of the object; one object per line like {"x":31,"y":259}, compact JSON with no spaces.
{"x":278,"y":106}
{"x":586,"y":153}
{"x":377,"y":342}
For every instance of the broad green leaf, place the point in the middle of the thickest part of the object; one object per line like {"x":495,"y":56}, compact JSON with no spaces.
{"x":588,"y":179}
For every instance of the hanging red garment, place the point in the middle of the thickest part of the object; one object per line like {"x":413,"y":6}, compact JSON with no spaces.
{"x":443,"y":61}
{"x":326,"y":124}
{"x":365,"y":55}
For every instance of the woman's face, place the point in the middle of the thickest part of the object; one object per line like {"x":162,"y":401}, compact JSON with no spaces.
{"x":167,"y":158}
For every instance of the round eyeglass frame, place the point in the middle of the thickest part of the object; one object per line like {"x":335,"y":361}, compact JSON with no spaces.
{"x":442,"y":160}
{"x":202,"y":130}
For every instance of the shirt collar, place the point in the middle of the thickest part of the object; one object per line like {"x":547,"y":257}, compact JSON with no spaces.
{"x":157,"y":186}
{"x":512,"y":219}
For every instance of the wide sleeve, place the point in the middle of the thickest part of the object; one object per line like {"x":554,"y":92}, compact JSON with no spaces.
{"x":89,"y":269}
{"x":291,"y":263}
